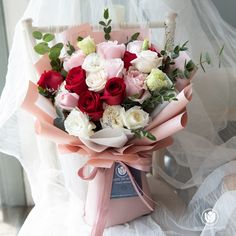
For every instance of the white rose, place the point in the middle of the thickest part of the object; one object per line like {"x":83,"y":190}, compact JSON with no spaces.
{"x":135,"y":46}
{"x":146,"y":61}
{"x":135,"y":118}
{"x":93,"y":63}
{"x":112,"y":117}
{"x":78,"y":124}
{"x":96,"y":81}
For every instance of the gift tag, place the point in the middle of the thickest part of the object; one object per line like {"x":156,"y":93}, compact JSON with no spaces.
{"x":121,"y":185}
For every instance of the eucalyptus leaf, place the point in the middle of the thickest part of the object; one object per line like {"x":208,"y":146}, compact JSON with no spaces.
{"x":37,"y":35}
{"x":106,"y":14}
{"x":208,"y":59}
{"x":107,"y":36}
{"x":42,"y":48}
{"x":102,"y":23}
{"x":54,"y":53}
{"x":48,"y":37}
{"x":135,"y":36}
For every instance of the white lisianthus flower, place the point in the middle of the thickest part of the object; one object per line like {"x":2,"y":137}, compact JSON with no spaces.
{"x":87,"y":45}
{"x":96,"y":81}
{"x":93,"y":63}
{"x":157,"y":80}
{"x":78,"y":124}
{"x":135,"y":118}
{"x":112,"y":117}
{"x":146,"y":61}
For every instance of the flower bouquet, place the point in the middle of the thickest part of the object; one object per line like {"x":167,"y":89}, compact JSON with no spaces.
{"x":114,"y":102}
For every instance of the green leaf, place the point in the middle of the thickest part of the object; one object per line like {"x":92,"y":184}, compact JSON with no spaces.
{"x":135,"y":36}
{"x":54,"y":53}
{"x":208,"y":59}
{"x":48,"y":37}
{"x":80,"y":38}
{"x":107,"y":30}
{"x":221,"y":50}
{"x":42,"y":48}
{"x":37,"y":35}
{"x":141,"y":133}
{"x":106,"y":14}
{"x":64,"y":73}
{"x":174,"y":55}
{"x":102,"y":23}
{"x":58,"y":45}
{"x":201,"y":64}
{"x":107,"y":36}
{"x":177,"y":49}
{"x":163,"y":52}
{"x":109,"y":22}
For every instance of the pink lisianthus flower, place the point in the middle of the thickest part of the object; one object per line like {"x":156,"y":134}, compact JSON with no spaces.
{"x":110,"y":50}
{"x":134,"y":81}
{"x":75,"y":60}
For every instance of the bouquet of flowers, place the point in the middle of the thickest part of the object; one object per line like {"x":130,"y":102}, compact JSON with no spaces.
{"x":115,"y":101}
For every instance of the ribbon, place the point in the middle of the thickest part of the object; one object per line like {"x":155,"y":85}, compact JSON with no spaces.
{"x":105,"y":165}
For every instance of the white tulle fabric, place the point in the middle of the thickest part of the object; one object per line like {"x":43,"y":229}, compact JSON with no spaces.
{"x":204,"y":172}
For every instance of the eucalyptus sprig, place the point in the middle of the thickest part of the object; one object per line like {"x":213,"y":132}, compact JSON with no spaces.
{"x":132,"y":38}
{"x":141,"y":133}
{"x":106,"y":23}
{"x":158,"y":97}
{"x":42,"y":47}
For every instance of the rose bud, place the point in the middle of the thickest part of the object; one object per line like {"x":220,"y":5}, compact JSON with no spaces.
{"x":87,"y":45}
{"x":91,"y":104}
{"x":75,"y":80}
{"x":115,"y":91}
{"x":50,"y":80}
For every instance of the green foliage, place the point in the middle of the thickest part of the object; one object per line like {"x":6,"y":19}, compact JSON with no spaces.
{"x":106,"y":23}
{"x":42,"y":48}
{"x":55,"y":51}
{"x":158,"y":97}
{"x":37,"y":35}
{"x":220,"y":55}
{"x":70,"y":49}
{"x":48,"y":37}
{"x":133,"y":38}
{"x":141,"y":133}
{"x":128,"y":103}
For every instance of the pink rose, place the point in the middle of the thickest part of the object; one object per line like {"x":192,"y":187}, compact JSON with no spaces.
{"x":76,"y":59}
{"x":66,"y":100}
{"x":114,"y":67}
{"x":135,"y":46}
{"x":110,"y":50}
{"x":134,"y":81}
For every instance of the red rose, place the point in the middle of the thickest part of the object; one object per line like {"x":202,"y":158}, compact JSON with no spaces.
{"x":115,"y":91}
{"x":75,"y":80}
{"x":128,"y":57}
{"x":91,"y":104}
{"x":50,"y":80}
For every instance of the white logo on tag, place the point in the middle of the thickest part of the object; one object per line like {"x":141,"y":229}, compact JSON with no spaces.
{"x":121,"y":171}
{"x":209,"y":217}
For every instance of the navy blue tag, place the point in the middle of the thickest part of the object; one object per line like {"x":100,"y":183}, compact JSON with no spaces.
{"x":121,"y":185}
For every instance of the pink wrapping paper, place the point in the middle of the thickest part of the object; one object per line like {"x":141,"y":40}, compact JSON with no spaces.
{"x":117,"y":208}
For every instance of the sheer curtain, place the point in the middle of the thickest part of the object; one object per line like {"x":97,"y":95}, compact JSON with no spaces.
{"x":204,"y":173}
